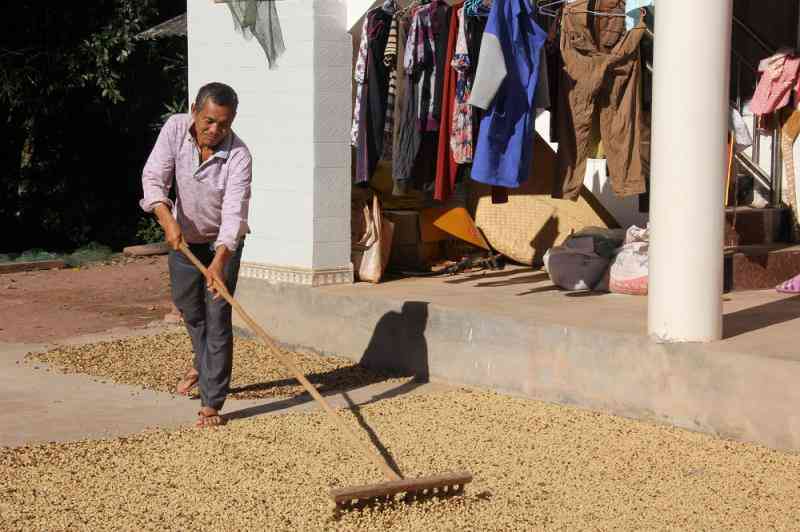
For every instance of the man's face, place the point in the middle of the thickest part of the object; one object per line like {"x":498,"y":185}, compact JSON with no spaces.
{"x":212,"y":123}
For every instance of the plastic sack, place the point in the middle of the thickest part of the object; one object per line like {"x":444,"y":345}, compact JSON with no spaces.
{"x":575,"y":269}
{"x":370,"y":254}
{"x":630,"y":269}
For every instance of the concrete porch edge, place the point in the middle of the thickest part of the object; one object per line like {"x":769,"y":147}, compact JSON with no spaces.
{"x":717,"y":389}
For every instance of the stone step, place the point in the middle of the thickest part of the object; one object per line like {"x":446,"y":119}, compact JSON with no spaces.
{"x":16,"y":267}
{"x":760,"y":267}
{"x":756,"y":226}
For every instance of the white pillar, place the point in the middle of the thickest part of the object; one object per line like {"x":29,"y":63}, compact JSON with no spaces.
{"x":690,"y":123}
{"x":295,"y":120}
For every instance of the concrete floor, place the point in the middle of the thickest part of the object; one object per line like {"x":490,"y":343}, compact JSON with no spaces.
{"x":763,"y":323}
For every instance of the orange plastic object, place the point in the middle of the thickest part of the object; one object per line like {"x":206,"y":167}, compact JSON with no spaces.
{"x":438,"y":222}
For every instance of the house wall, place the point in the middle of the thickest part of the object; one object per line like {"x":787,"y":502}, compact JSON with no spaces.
{"x":295,"y":120}
{"x":356,"y":9}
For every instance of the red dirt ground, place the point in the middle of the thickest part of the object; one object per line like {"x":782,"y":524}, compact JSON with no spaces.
{"x":39,"y":307}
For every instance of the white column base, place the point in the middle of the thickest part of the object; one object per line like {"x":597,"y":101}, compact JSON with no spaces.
{"x":299,"y":276}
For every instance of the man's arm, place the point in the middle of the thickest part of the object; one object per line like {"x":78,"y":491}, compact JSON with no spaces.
{"x":157,"y":178}
{"x":172,"y":231}
{"x":235,"y":209}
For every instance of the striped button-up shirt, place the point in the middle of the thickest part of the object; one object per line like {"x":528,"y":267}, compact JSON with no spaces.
{"x":213,"y":197}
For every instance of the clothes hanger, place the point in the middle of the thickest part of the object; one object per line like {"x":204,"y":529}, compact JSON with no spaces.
{"x":550,"y":8}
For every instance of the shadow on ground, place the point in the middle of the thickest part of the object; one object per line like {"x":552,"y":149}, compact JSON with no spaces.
{"x":760,"y":317}
{"x":397,"y":346}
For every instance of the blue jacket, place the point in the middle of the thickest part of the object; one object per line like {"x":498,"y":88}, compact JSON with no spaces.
{"x":505,"y":84}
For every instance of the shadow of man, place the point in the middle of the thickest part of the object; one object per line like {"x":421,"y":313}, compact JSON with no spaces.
{"x":397,"y":346}
{"x":398,"y":342}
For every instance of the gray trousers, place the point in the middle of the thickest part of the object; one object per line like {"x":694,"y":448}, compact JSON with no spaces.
{"x":207,"y":320}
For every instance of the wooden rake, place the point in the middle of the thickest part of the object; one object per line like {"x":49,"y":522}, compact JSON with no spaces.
{"x":356,"y":496}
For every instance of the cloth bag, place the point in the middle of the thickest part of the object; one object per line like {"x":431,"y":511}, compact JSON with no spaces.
{"x":573,"y":268}
{"x":370,"y":253}
{"x":630,"y":269}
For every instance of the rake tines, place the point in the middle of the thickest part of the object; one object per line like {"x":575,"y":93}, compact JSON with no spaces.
{"x":357,"y":497}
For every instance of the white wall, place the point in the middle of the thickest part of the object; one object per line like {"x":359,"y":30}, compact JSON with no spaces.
{"x":624,"y":210}
{"x":355,"y":10}
{"x":300,"y":213}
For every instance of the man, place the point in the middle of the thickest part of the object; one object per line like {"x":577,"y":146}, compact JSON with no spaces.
{"x":211,"y":169}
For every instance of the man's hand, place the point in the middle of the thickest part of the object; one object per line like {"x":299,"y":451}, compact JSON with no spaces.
{"x":214,"y":279}
{"x":216,"y":276}
{"x":172,"y":231}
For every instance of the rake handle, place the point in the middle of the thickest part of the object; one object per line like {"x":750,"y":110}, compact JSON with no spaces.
{"x":289,"y":365}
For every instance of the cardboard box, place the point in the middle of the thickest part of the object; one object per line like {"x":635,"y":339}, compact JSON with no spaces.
{"x":409,"y":251}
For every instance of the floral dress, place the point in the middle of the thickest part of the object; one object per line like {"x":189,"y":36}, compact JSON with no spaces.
{"x":461,"y":142}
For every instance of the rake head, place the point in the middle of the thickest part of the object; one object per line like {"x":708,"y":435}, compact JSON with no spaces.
{"x":446,"y":485}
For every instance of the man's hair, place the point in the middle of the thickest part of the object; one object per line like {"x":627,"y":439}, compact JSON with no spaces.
{"x":219,"y":93}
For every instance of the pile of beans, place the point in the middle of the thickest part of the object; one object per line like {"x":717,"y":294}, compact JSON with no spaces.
{"x":157,"y":362}
{"x":536,"y":466}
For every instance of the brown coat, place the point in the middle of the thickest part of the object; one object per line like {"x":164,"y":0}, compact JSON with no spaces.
{"x":600,"y":86}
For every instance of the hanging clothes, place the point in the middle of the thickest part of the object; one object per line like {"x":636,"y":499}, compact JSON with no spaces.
{"x":441,"y":34}
{"x":417,"y":52}
{"x":478,"y":8}
{"x":390,"y":60}
{"x":461,"y":130}
{"x":390,"y":6}
{"x":404,"y":146}
{"x":421,"y":63}
{"x":475,"y":27}
{"x":555,"y":64}
{"x":601,"y":82}
{"x":446,"y":166}
{"x":359,"y":74}
{"x":505,"y":85}
{"x":779,"y":77}
{"x":372,"y":113}
{"x":419,"y":101}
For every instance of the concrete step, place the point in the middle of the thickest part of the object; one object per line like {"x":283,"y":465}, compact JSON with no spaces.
{"x":756,"y":226}
{"x":514,"y":332}
{"x":759,"y":267}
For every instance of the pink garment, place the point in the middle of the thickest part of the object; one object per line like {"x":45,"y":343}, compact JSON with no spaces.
{"x":778,"y":78}
{"x":212,"y":197}
{"x":792,"y":286}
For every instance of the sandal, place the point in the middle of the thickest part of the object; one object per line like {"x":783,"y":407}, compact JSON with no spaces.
{"x":209,"y":420}
{"x":792,"y":286}
{"x":188,"y":382}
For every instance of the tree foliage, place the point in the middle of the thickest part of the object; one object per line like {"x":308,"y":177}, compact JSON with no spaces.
{"x":81,"y":95}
